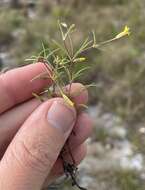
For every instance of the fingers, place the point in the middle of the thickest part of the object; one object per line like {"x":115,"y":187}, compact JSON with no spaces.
{"x":79,"y":93}
{"x":16,"y":85}
{"x":81,"y":131}
{"x":78,"y":154}
{"x":11,"y":120}
{"x":36,"y":147}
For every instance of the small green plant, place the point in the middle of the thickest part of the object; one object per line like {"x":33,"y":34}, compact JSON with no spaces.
{"x":65,"y":64}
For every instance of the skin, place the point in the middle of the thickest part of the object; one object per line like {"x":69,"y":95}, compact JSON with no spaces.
{"x":29,"y":155}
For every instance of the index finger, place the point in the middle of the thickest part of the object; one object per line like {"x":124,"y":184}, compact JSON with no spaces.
{"x":15,"y":85}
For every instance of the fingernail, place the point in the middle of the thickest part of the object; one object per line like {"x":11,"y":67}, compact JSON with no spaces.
{"x":60,"y":116}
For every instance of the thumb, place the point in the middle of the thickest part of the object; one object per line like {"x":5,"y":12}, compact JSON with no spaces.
{"x":34,"y":150}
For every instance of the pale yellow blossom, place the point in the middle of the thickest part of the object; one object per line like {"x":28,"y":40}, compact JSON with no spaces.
{"x":80,"y":59}
{"x":67,"y":100}
{"x":125,"y":32}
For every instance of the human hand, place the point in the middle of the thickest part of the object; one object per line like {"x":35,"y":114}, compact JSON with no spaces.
{"x":32,"y":133}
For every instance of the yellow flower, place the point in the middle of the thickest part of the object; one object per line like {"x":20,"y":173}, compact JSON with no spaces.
{"x":67,"y":100}
{"x":80,"y":59}
{"x":125,"y":32}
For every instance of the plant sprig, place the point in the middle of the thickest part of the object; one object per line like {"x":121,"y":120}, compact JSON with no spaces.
{"x":63,"y":59}
{"x":61,"y":64}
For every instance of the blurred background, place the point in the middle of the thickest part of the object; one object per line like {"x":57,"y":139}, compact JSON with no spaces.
{"x":116,"y":150}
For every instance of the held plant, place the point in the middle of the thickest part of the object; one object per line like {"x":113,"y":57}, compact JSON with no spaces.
{"x":61,"y":62}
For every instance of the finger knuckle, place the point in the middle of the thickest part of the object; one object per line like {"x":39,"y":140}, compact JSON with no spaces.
{"x":36,"y":157}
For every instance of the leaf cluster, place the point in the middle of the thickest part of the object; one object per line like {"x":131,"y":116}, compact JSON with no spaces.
{"x":61,"y":61}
